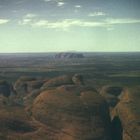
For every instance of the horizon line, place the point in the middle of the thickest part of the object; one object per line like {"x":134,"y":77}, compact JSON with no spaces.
{"x":70,"y":52}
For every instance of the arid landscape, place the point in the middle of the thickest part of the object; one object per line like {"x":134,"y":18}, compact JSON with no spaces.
{"x":70,"y":96}
{"x":69,"y":69}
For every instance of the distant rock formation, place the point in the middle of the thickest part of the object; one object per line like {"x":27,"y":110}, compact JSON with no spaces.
{"x":68,"y":55}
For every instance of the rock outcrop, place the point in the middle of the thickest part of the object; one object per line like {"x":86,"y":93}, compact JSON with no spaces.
{"x":78,"y":79}
{"x":64,"y":108}
{"x":73,"y":113}
{"x":111,"y":94}
{"x":58,"y":81}
{"x":21,"y":85}
{"x":128,"y":113}
{"x":66,"y":81}
{"x":25,"y":85}
{"x":68,"y":55}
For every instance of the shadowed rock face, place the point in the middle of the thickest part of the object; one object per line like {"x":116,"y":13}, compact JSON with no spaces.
{"x":116,"y":129}
{"x":73,"y":115}
{"x":68,"y":55}
{"x":5,"y":88}
{"x":17,"y":125}
{"x":14,"y":123}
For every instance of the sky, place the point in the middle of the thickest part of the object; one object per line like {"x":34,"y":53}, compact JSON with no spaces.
{"x":69,"y":25}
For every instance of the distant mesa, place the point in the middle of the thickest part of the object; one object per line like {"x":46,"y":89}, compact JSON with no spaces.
{"x":69,"y":55}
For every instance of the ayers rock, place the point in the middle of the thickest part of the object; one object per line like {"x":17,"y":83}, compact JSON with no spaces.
{"x":69,"y":55}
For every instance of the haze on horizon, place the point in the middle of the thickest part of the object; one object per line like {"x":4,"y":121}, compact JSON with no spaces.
{"x":65,"y":25}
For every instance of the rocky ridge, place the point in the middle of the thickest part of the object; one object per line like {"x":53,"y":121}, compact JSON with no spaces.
{"x":65,"y":108}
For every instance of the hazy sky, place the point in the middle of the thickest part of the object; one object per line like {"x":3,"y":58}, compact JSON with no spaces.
{"x":69,"y":25}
